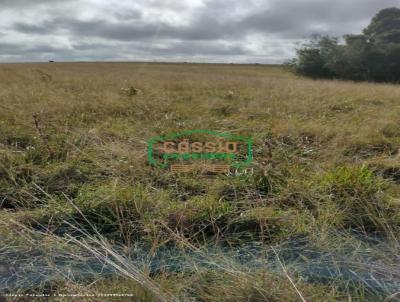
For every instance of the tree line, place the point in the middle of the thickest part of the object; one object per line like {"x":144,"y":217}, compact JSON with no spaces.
{"x":373,"y":55}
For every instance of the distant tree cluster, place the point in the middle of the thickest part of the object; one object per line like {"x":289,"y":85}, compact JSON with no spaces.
{"x":373,"y":55}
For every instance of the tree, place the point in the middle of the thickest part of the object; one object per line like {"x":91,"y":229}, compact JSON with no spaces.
{"x":349,"y":61}
{"x":313,"y":57}
{"x":384,"y":27}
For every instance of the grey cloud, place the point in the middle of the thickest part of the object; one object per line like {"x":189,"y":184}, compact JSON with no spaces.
{"x":212,"y":29}
{"x":31,"y":28}
{"x":201,"y":29}
{"x":126,"y":51}
{"x":174,"y":48}
{"x":29,"y":3}
{"x":128,"y":14}
{"x":9,"y":47}
{"x":18,"y":49}
{"x":110,"y":30}
{"x":195,"y":48}
{"x":298,"y":19}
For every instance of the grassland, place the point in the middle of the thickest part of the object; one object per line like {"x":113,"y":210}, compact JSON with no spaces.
{"x":74,"y":178}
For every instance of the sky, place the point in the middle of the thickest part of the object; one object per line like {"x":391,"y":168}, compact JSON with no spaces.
{"x":226,"y":31}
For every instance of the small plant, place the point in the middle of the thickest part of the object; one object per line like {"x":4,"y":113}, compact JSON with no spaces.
{"x":391,"y":130}
{"x":224,"y":110}
{"x":44,"y":137}
{"x":131,"y":91}
{"x":230,"y":94}
{"x":44,"y":76}
{"x":360,"y":196}
{"x":352,"y":181}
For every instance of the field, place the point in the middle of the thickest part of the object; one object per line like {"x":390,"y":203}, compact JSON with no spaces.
{"x":82,"y":211}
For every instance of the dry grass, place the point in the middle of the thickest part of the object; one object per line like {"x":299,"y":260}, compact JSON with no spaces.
{"x":326,"y":162}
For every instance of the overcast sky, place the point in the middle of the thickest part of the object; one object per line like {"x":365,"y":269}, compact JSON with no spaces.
{"x":263,"y":31}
